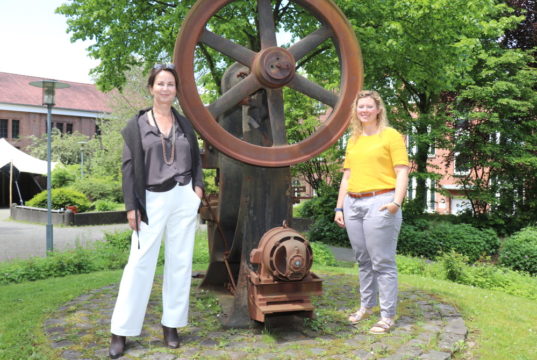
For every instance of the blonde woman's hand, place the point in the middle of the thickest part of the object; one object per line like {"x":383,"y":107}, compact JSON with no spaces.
{"x":391,"y":207}
{"x":131,"y":217}
{"x":338,"y":219}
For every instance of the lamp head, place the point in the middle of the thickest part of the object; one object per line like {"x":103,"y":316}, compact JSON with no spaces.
{"x":49,"y":89}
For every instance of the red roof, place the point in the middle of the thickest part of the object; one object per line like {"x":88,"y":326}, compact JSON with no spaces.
{"x":15,"y":89}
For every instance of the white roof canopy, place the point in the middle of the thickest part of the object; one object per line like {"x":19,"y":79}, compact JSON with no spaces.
{"x":22,"y":161}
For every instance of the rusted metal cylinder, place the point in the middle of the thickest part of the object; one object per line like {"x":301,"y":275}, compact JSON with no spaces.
{"x":282,"y":254}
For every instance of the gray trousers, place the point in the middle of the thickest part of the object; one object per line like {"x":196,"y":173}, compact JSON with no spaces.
{"x":373,"y":236}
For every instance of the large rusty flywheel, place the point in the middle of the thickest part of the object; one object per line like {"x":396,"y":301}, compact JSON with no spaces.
{"x":271,"y":69}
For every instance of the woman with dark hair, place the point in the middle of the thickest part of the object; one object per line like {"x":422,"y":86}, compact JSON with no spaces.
{"x":162,"y":188}
{"x":374,"y":183}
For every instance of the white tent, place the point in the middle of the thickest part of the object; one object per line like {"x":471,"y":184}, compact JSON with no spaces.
{"x":22,"y":161}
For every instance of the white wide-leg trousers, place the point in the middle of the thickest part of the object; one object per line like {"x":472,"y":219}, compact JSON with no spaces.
{"x":171,"y":214}
{"x":373,"y":235}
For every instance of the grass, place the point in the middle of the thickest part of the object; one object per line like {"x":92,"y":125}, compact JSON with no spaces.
{"x":501,"y":326}
{"x":25,"y":308}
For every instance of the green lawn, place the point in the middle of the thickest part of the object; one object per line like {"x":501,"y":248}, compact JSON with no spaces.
{"x":501,"y":326}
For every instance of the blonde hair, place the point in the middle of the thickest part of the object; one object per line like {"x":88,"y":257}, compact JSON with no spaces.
{"x":382,"y":118}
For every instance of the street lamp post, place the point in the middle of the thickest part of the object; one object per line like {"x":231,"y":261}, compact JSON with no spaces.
{"x":49,"y":87}
{"x":82,"y":143}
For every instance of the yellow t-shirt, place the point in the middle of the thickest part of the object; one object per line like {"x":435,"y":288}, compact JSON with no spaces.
{"x":371,"y":160}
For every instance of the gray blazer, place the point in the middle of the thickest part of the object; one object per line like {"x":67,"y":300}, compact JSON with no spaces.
{"x":134,"y":169}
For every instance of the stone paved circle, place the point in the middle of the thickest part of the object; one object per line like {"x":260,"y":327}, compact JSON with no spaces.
{"x":426,"y":328}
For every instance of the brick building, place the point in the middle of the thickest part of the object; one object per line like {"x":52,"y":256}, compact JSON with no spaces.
{"x":22,"y":113}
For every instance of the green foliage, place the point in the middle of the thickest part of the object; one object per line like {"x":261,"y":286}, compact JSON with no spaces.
{"x":321,"y":206}
{"x":110,"y":254}
{"x":100,"y":188}
{"x":432,"y":60}
{"x":519,"y":252}
{"x":321,"y":210}
{"x":60,"y":198}
{"x":56,"y":264}
{"x":431,"y":239}
{"x":64,"y":175}
{"x":120,"y":240}
{"x":105,"y":205}
{"x":66,"y":148}
{"x":209,"y":179}
{"x":323,"y":230}
{"x":322,"y":255}
{"x":201,"y":250}
{"x":496,"y":126}
{"x":453,"y":267}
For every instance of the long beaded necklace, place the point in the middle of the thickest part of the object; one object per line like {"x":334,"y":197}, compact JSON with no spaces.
{"x":172,"y":134}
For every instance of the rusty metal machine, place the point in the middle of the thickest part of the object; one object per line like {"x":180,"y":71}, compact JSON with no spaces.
{"x":265,"y":266}
{"x":283,"y":282}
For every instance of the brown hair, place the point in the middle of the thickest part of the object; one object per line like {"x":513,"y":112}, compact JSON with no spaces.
{"x":163,"y":67}
{"x":382,"y":119}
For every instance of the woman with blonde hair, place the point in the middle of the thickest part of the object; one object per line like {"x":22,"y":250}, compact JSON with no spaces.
{"x":374,"y":184}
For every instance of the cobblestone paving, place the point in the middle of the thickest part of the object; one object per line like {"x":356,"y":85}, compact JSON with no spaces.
{"x":426,"y":329}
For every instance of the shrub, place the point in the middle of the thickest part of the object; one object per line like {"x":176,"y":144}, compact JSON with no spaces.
{"x":98,"y":188}
{"x":64,"y":175}
{"x":431,"y":239}
{"x":519,"y":252}
{"x":414,"y":240}
{"x":328,"y":232}
{"x":453,"y":264}
{"x":321,"y":210}
{"x":60,"y":198}
{"x":321,"y":206}
{"x":105,"y":205}
{"x":78,"y":261}
{"x":482,"y":275}
{"x":322,"y":255}
{"x":120,"y":240}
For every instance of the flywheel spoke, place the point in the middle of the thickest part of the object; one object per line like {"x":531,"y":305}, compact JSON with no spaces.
{"x":310,"y":42}
{"x":235,"y":51}
{"x":277,"y":116}
{"x":313,"y":90}
{"x":267,"y":30}
{"x":235,"y":95}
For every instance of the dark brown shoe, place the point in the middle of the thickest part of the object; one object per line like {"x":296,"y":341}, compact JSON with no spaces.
{"x":171,"y":338}
{"x":117,"y":346}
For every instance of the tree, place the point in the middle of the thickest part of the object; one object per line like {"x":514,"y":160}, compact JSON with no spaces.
{"x":498,"y":136}
{"x":524,"y":36}
{"x":415,"y":52}
{"x":125,"y":103}
{"x":66,"y":148}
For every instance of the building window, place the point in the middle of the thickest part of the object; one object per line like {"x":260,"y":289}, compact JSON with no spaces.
{"x":431,"y":152}
{"x":3,"y":128}
{"x":412,"y":144}
{"x":59,"y":126}
{"x":431,"y":204}
{"x":459,"y":166}
{"x":15,"y":129}
{"x":69,"y":128}
{"x":411,"y":188}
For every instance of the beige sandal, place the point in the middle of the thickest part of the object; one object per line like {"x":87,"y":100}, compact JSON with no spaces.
{"x":382,"y":327}
{"x":360,"y":315}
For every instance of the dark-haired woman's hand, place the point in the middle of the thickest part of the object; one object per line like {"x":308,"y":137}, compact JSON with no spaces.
{"x":131,"y":217}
